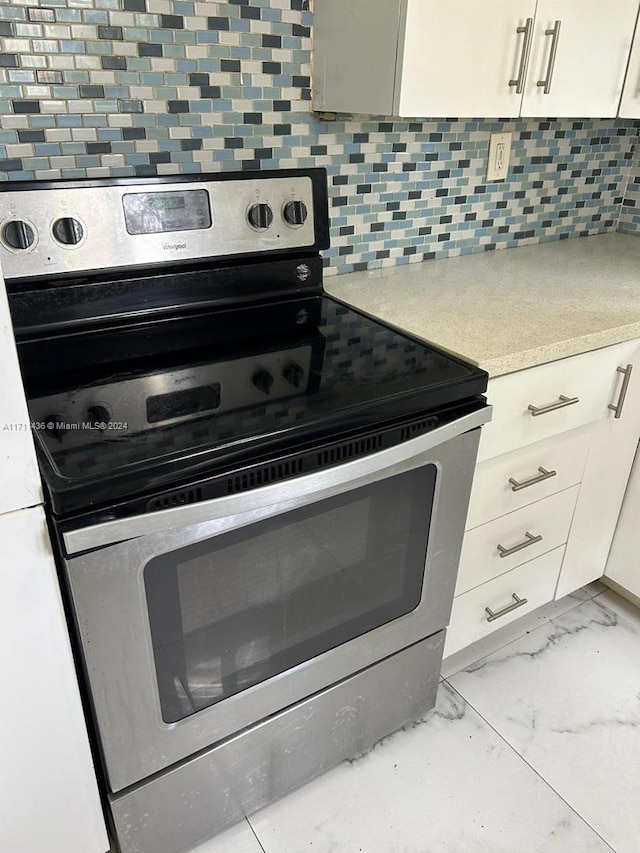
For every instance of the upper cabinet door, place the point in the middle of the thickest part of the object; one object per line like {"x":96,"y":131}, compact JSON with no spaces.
{"x":630,"y":104}
{"x":463,"y":58}
{"x":355,"y":46}
{"x":579,"y":58}
{"x":475,"y":58}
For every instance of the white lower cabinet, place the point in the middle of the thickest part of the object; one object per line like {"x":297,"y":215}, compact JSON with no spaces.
{"x":49,"y":800}
{"x":605,"y":477}
{"x":545,"y":401}
{"x":500,"y":545}
{"x":553,"y":466}
{"x":503,"y":600}
{"x":508,"y":482}
{"x":623,"y":564}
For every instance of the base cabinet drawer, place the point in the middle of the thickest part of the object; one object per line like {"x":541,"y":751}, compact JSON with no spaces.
{"x":503,"y":600}
{"x":506,"y":483}
{"x":499,"y":546}
{"x":535,"y":404}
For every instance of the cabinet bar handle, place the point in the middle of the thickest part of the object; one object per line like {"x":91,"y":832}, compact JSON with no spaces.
{"x":524,"y":56}
{"x":618,"y":407}
{"x":562,"y":403}
{"x":530,"y":540}
{"x":555,"y":33}
{"x":539,"y":478}
{"x":517,"y":602}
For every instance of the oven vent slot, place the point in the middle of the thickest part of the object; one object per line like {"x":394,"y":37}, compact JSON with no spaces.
{"x":171,"y":499}
{"x":262,"y":476}
{"x":412,"y":430}
{"x":349,"y":450}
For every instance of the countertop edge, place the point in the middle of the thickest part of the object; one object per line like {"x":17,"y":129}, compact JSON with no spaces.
{"x":504,"y":365}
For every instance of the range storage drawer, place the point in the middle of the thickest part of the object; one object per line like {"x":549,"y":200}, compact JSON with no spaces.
{"x":508,"y":482}
{"x":494,"y":548}
{"x":535,"y":404}
{"x":508,"y":597}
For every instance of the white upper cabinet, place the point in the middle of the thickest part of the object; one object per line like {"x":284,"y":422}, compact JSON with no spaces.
{"x":630,"y":103}
{"x":472,"y":58}
{"x":579,"y":58}
{"x":355,"y":43}
{"x":464,"y":58}
{"x":20,"y":478}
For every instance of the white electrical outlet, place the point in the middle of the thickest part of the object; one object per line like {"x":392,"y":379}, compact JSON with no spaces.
{"x":499,"y":156}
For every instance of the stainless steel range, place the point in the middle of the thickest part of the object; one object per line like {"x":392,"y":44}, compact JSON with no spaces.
{"x":258,"y":494}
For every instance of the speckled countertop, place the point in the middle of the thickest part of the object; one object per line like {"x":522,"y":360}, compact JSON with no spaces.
{"x":511,"y":309}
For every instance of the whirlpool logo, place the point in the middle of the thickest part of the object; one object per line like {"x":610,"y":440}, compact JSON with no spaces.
{"x":173,"y":247}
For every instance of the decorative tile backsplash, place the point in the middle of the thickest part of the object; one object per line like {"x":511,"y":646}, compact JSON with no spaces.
{"x":145,"y":87}
{"x":630,"y":214}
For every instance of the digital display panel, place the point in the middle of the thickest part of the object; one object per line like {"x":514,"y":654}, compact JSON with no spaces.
{"x":161,"y":212}
{"x":167,"y":202}
{"x":178,"y":404}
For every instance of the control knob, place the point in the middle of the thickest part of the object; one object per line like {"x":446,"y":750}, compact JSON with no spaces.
{"x":263,"y":381}
{"x":293,"y":374}
{"x":260,"y":216}
{"x":68,"y":231}
{"x":295,"y":212}
{"x":51,"y":426}
{"x":98,"y":414}
{"x":18,"y":234}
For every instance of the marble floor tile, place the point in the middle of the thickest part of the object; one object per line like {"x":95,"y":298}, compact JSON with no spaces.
{"x":592,"y":589}
{"x":567,"y":699}
{"x":621,"y":606}
{"x":514,"y":630}
{"x":448,"y":784}
{"x":238,"y":839}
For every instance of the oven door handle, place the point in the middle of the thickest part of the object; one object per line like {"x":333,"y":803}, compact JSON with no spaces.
{"x":297,"y":491}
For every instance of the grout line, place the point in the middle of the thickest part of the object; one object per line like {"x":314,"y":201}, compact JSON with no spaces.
{"x":255,"y":835}
{"x":523,"y":759}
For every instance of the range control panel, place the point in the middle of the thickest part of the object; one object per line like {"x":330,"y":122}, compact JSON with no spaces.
{"x":69,"y":228}
{"x":132,"y":406}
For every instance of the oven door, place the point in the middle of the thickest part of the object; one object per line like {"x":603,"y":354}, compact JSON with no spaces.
{"x":198,"y":621}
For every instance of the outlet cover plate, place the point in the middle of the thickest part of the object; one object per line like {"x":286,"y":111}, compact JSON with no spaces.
{"x":499,"y":156}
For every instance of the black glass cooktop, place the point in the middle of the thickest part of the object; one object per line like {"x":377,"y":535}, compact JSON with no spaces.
{"x":127,"y":411}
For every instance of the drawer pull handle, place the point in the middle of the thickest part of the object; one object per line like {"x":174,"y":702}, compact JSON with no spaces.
{"x":562,"y":403}
{"x":626,"y":371}
{"x":555,"y":33}
{"x":524,"y":56}
{"x":517,"y":602}
{"x":539,"y":478}
{"x":530,"y":540}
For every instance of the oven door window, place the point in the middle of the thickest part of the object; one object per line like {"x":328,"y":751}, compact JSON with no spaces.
{"x":239,"y":608}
